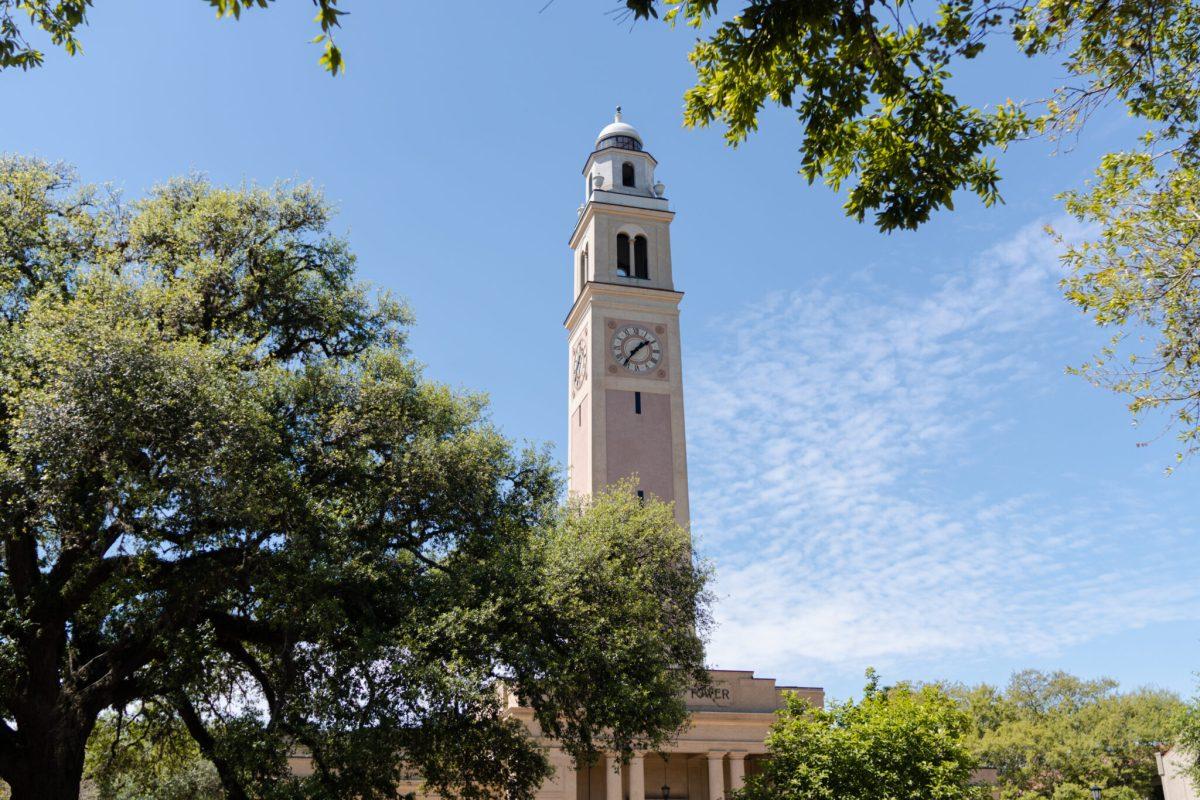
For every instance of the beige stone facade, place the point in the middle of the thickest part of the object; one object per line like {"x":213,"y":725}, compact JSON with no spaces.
{"x":613,"y":433}
{"x":721,"y":746}
{"x":1172,"y":774}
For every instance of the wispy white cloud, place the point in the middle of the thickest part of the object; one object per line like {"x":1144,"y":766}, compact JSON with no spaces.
{"x":840,"y":447}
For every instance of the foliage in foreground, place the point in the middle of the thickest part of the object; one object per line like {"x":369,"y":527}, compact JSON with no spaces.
{"x":144,"y":753}
{"x":1052,"y":736}
{"x":897,"y":742}
{"x":1188,"y":737}
{"x":227,"y":491}
{"x":61,"y":19}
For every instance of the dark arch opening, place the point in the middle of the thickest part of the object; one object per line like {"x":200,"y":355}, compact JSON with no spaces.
{"x":641,"y":258}
{"x":627,"y":174}
{"x":623,"y":253}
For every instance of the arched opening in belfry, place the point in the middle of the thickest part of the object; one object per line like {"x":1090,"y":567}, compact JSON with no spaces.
{"x":641,"y":258}
{"x":623,"y":254}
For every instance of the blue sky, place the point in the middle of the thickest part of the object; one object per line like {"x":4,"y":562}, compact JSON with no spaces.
{"x":889,"y":466}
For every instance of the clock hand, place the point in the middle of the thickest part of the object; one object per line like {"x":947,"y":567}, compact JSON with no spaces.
{"x":634,"y":351}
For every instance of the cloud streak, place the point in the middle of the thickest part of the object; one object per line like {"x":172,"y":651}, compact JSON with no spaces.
{"x":847,"y":478}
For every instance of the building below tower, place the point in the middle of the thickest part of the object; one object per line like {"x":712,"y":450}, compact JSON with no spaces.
{"x":722,"y":745}
{"x":625,"y":415}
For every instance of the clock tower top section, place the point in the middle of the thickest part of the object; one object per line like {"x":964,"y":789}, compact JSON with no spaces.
{"x":625,"y":368}
{"x":622,"y":234}
{"x":620,"y":171}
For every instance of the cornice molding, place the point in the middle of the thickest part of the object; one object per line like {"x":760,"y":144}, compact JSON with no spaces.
{"x":594,"y":290}
{"x":628,"y":211}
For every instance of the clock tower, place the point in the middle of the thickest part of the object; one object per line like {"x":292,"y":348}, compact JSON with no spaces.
{"x":625,"y":371}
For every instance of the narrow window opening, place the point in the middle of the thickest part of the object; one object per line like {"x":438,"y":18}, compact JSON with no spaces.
{"x":637,"y":402}
{"x":641,"y":258}
{"x":583,"y":268}
{"x":627,"y":174}
{"x":623,"y":254}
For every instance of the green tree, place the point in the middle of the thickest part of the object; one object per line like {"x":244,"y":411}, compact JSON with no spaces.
{"x":900,"y":742}
{"x":868,"y":80}
{"x":60,"y":20}
{"x":1141,"y":276}
{"x":1053,"y":735}
{"x":143,"y":753}
{"x":226,"y":490}
{"x":1188,"y":737}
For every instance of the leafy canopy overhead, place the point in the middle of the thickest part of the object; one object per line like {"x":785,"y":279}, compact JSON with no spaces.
{"x":60,"y":19}
{"x":868,"y":80}
{"x":228,"y":493}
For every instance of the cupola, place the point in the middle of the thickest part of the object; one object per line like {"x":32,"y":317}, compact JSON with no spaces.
{"x":619,"y":134}
{"x":619,"y":171}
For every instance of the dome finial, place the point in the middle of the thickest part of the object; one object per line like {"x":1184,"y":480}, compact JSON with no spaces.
{"x":614,"y":134}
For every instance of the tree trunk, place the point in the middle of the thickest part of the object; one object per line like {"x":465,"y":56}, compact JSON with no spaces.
{"x":49,"y":761}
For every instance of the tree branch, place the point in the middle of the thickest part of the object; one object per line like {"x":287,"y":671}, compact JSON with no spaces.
{"x":238,"y":652}
{"x":208,"y":746}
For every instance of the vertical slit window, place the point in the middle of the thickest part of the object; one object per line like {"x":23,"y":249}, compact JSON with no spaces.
{"x":627,"y":174}
{"x":641,"y":258}
{"x":623,"y":254}
{"x":637,"y":402}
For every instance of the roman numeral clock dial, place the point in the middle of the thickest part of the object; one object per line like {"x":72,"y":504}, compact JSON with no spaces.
{"x":579,"y":362}
{"x":636,"y":349}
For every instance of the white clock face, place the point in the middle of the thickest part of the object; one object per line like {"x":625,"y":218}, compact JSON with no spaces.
{"x":579,"y":363}
{"x":636,"y":349}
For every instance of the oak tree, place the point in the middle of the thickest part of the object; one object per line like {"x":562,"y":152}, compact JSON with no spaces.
{"x":227,"y":490}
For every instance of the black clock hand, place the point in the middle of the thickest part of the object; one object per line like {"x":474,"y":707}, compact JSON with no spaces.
{"x":634,"y":351}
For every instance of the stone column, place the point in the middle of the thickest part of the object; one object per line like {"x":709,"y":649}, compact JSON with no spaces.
{"x":637,"y":778}
{"x":737,"y":770}
{"x":612,"y":777}
{"x":570,"y":786}
{"x":716,"y":775}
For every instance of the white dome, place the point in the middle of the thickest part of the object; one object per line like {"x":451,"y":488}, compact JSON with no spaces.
{"x":618,"y":128}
